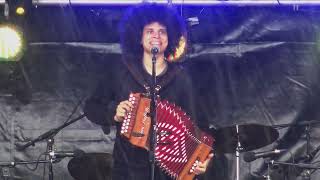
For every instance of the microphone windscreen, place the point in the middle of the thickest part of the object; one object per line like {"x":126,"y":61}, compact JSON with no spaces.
{"x":249,"y":156}
{"x":154,"y":50}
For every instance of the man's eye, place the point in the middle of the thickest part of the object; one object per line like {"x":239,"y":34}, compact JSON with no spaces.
{"x":163,"y":32}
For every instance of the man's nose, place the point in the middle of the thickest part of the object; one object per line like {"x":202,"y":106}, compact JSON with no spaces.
{"x":156,"y":35}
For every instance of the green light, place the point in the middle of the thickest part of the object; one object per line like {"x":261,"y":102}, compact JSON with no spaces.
{"x":11,"y":44}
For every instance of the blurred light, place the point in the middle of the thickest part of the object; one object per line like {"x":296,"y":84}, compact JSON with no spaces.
{"x":199,"y":2}
{"x":179,"y":51}
{"x":11,"y":43}
{"x":190,"y":2}
{"x":20,"y":11}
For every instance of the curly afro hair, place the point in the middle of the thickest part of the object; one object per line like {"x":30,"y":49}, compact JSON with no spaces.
{"x":134,"y":20}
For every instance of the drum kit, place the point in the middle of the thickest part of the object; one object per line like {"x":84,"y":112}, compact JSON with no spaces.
{"x":245,"y":138}
{"x":233,"y":139}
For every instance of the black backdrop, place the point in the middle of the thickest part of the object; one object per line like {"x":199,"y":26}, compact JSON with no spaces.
{"x":256,"y":64}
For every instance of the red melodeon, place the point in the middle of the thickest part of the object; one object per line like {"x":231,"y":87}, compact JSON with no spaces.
{"x":180,"y":144}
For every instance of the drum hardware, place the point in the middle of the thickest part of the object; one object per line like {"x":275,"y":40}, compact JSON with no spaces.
{"x":309,"y":154}
{"x":242,"y":138}
{"x":271,"y":163}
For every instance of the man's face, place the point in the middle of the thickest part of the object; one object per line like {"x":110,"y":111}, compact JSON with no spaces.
{"x":154,"y":35}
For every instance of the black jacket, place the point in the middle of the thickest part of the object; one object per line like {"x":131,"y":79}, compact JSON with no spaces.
{"x":123,"y":78}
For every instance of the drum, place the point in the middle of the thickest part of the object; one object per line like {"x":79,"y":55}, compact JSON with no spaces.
{"x":91,"y":166}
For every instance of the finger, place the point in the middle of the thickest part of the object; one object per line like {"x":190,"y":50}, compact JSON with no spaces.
{"x":120,"y":114}
{"x":201,"y":165}
{"x":211,"y":155}
{"x":206,"y":162}
{"x":127,"y":104}
{"x":126,"y":107}
{"x":199,"y":170}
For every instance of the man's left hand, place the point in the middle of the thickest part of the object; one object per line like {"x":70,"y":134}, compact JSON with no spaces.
{"x":202,"y":166}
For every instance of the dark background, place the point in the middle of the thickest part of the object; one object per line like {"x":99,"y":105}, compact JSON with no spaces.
{"x":251,"y":64}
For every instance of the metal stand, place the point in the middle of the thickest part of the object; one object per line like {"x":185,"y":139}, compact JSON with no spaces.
{"x":268,"y":177}
{"x":300,"y":165}
{"x":50,"y":145}
{"x":238,"y":150}
{"x":307,"y":175}
{"x":49,"y":136}
{"x":14,"y":163}
{"x":309,"y":155}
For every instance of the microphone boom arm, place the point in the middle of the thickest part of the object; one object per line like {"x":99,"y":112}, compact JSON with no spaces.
{"x":48,"y":134}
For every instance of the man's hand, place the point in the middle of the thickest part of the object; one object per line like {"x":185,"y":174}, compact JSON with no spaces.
{"x":202,"y":166}
{"x":122,"y":110}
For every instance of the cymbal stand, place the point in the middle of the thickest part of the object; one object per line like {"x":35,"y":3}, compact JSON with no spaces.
{"x":238,"y":149}
{"x":50,"y":142}
{"x":268,"y":177}
{"x":307,"y":174}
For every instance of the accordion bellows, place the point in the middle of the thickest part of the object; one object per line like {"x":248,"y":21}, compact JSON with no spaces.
{"x":180,"y":145}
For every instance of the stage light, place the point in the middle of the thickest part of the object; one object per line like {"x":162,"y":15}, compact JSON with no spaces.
{"x":20,"y":10}
{"x":11,"y":43}
{"x":18,"y":7}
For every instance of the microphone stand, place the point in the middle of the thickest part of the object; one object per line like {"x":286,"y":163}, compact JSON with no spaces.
{"x":49,"y":135}
{"x":153,"y":114}
{"x":51,"y":160}
{"x":14,"y":163}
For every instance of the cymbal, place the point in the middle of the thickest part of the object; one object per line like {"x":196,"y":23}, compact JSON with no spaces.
{"x":97,"y":166}
{"x":251,"y":136}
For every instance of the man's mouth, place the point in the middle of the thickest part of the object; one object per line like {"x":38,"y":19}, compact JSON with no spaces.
{"x":155,"y":43}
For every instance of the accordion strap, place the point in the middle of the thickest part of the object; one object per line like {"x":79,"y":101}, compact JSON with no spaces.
{"x":137,"y":73}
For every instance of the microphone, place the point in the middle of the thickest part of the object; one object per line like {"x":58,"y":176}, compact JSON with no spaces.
{"x":251,"y":156}
{"x":63,"y":154}
{"x":155,"y":50}
{"x":7,"y":164}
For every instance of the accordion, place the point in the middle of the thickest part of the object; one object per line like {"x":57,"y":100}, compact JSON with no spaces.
{"x":180,"y":145}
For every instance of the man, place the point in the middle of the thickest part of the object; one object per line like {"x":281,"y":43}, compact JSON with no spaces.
{"x":142,"y":28}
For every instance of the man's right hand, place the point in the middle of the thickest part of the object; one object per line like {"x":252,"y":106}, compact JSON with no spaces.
{"x":122,"y":109}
